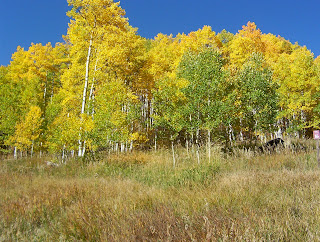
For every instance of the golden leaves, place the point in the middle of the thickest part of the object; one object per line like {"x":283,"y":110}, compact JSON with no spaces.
{"x":28,"y":129}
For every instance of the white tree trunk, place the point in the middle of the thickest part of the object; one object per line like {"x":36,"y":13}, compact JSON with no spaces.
{"x":72,"y":153}
{"x":63,"y":153}
{"x":91,"y":95}
{"x":173,"y":155}
{"x":84,"y":96}
{"x":45,"y":90}
{"x":40,"y":151}
{"x":131,"y":146}
{"x":83,"y":148}
{"x":15,"y":155}
{"x":198,"y":146}
{"x":86,"y":78}
{"x":80,"y":145}
{"x":32,"y":148}
{"x":231,"y":134}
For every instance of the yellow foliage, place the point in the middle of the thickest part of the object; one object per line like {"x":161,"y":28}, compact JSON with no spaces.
{"x":295,"y":74}
{"x":138,"y":137}
{"x":167,"y":51}
{"x":28,"y":129}
{"x":64,"y":132}
{"x":246,"y":42}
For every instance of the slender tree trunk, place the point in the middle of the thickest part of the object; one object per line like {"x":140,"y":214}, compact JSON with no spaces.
{"x":145,"y":111}
{"x":86,"y":78}
{"x":91,"y":95}
{"x":31,"y":153}
{"x":151,"y":113}
{"x":131,"y":146}
{"x":63,"y":153}
{"x":228,"y":130}
{"x":15,"y":156}
{"x":231,"y":134}
{"x":80,"y":145}
{"x":191,"y":142}
{"x":198,"y":146}
{"x":279,"y":132}
{"x":84,"y":96}
{"x":45,"y":89}
{"x":241,"y":134}
{"x":83,"y":148}
{"x":173,"y":155}
{"x":40,"y":151}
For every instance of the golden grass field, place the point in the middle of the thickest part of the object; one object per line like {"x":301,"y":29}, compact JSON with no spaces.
{"x":140,"y":196}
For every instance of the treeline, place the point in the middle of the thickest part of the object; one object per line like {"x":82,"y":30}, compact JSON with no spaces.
{"x":107,"y":88}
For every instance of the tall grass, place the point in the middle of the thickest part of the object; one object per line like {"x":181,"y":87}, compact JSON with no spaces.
{"x":141,"y":196}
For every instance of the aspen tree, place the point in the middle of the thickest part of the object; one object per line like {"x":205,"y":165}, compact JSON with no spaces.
{"x":208,"y":93}
{"x":31,"y":73}
{"x":298,"y":83}
{"x":316,"y":109}
{"x":28,"y":130}
{"x":9,"y":106}
{"x":247,"y":41}
{"x":92,"y":21}
{"x":257,"y":100}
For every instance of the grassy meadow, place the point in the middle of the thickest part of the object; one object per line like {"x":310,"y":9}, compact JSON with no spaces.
{"x":140,"y":196}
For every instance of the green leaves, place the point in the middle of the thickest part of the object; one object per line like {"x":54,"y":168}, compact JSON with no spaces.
{"x":257,"y":95}
{"x":206,"y":89}
{"x":108,"y":85}
{"x":198,"y":98}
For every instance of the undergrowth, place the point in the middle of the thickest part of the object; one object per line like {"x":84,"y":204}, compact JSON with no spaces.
{"x":141,"y":196}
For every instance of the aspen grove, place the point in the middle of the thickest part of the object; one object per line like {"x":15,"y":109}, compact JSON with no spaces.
{"x":108,"y":89}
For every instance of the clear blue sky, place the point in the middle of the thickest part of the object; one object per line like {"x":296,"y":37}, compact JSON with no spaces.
{"x":42,"y":21}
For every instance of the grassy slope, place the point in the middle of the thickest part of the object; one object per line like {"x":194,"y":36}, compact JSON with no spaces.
{"x":141,"y":197}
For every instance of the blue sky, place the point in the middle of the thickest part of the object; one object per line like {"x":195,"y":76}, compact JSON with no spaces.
{"x":40,"y":21}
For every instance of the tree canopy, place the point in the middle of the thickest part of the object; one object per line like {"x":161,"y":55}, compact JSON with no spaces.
{"x":107,"y":88}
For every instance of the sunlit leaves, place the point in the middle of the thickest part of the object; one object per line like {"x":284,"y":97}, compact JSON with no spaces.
{"x":296,"y":76}
{"x":107,"y":85}
{"x":246,"y":42}
{"x":28,"y":129}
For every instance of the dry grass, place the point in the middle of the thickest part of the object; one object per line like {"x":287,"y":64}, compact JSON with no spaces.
{"x":141,"y":197}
